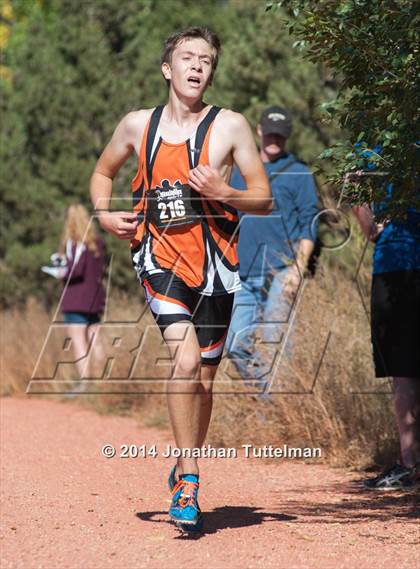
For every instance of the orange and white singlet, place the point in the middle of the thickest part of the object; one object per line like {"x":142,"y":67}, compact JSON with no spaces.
{"x":202,"y":252}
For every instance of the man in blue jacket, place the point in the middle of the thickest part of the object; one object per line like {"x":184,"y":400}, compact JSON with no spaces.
{"x":273,"y":251}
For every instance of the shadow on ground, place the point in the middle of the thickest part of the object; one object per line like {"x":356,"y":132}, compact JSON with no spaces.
{"x":225,"y":517}
{"x":356,"y":504}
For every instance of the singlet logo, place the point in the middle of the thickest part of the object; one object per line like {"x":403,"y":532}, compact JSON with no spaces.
{"x":168,"y":191}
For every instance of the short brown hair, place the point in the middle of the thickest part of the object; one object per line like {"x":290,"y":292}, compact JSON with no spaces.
{"x":194,"y":32}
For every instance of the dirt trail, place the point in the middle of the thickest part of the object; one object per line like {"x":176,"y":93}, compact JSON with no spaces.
{"x":66,"y":506}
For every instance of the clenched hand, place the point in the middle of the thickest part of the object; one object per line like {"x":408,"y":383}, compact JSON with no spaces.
{"x":208,"y":182}
{"x":119,"y":223}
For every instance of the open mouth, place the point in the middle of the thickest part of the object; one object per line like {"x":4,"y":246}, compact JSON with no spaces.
{"x":194,"y":81}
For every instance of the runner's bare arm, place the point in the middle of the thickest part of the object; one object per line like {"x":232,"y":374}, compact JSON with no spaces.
{"x":257,"y":197}
{"x":116,"y":153}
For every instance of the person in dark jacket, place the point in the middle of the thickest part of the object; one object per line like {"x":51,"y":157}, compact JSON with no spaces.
{"x":83,"y":299}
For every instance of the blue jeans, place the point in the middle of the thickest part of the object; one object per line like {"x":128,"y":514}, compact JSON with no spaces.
{"x":81,"y":318}
{"x":260,"y":304}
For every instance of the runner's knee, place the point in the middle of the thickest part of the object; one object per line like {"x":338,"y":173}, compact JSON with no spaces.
{"x":188,"y":365}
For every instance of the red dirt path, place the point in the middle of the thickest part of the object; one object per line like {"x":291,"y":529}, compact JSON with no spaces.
{"x":65,"y":506}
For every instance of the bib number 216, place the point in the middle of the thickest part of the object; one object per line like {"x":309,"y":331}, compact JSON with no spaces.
{"x":171,"y":210}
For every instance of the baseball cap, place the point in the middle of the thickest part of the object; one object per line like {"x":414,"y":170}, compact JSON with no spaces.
{"x":276,"y":120}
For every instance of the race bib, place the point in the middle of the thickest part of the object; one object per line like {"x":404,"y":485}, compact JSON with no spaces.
{"x":171,"y":206}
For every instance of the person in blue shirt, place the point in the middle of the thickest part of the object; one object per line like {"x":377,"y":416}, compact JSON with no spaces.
{"x":395,"y":329}
{"x":273,"y":251}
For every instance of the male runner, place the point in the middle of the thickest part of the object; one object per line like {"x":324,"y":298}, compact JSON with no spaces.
{"x":184,"y":231}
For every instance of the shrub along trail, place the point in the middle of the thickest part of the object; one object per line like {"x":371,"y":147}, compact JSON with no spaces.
{"x":66,"y":506}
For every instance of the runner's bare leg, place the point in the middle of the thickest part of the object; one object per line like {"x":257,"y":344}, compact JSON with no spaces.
{"x":184,"y":390}
{"x":207,"y":375}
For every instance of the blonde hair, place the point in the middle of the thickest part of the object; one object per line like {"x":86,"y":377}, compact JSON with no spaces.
{"x":79,"y":227}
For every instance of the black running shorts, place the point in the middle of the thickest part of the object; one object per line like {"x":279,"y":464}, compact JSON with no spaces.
{"x":395,"y":320}
{"x":171,"y":300}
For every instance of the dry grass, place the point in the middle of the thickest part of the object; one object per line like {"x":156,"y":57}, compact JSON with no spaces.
{"x":326,"y":395}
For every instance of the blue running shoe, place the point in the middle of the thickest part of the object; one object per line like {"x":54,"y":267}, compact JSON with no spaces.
{"x":192,"y":529}
{"x":172,"y":479}
{"x":184,"y":509}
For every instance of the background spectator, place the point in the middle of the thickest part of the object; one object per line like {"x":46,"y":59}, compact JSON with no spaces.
{"x":395,"y":331}
{"x":83,"y":299}
{"x":273,"y":250}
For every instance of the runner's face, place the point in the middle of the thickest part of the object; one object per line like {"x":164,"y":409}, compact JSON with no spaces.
{"x":191,"y":67}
